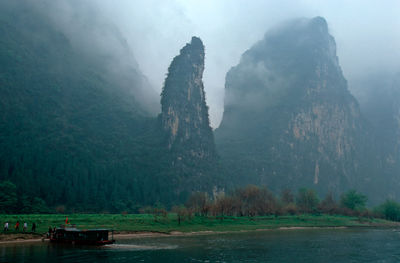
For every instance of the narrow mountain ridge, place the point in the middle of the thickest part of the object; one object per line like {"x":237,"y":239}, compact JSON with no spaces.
{"x":185,"y":119}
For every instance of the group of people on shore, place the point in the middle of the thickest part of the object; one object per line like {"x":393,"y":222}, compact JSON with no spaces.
{"x":17,"y":225}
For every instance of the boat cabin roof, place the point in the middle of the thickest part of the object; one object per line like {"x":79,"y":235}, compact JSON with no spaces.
{"x":74,"y":229}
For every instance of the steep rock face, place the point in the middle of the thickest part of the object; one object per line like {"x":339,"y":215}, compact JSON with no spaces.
{"x":184,"y":111}
{"x":184,"y":116}
{"x":289,"y":115}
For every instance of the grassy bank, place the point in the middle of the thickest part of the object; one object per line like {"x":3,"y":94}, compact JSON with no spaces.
{"x":169,"y":223}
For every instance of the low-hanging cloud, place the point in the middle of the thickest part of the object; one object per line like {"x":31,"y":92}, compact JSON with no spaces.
{"x":367,"y":33}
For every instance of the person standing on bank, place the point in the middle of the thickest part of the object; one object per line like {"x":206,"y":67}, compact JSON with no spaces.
{"x":6,"y":227}
{"x":49,"y":232}
{"x":25,"y":227}
{"x":17,"y":226}
{"x":33,"y":227}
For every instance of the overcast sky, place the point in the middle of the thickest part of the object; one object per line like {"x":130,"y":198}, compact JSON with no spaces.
{"x":367,"y":33}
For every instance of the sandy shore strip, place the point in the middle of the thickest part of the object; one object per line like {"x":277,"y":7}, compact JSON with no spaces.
{"x":21,"y":241}
{"x":20,"y":238}
{"x":132,"y":235}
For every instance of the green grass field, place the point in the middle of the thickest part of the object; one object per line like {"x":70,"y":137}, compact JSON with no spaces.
{"x":145,"y":222}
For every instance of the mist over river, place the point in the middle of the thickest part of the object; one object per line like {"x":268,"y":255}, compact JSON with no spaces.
{"x":300,"y":245}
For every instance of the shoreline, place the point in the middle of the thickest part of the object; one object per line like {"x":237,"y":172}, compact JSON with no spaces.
{"x":133,"y":234}
{"x":121,"y":235}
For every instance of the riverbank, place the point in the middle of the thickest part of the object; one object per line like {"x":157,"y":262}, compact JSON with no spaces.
{"x":20,"y":238}
{"x":144,"y":225}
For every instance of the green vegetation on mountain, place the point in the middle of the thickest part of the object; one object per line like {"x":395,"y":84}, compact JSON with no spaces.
{"x":69,"y":135}
{"x":76,"y":132}
{"x":79,"y":129}
{"x":289,"y":119}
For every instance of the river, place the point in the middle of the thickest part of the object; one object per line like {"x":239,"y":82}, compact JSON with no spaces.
{"x":301,"y":245}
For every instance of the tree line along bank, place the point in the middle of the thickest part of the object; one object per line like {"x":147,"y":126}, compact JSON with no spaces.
{"x":247,"y":201}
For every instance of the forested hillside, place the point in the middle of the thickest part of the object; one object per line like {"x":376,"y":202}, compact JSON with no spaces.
{"x":69,"y":134}
{"x":78,"y":126}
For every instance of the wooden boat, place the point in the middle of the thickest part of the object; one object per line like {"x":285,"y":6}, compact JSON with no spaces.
{"x":73,"y":235}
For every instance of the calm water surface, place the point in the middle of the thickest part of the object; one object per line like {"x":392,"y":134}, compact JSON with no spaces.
{"x":316,"y":245}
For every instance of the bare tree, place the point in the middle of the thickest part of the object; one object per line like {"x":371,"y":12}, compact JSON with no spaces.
{"x":307,"y":200}
{"x":199,"y":203}
{"x":329,"y":205}
{"x":253,"y":201}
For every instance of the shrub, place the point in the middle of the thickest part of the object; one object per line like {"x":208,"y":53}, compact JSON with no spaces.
{"x":8,"y":197}
{"x":287,"y":196}
{"x":60,"y":209}
{"x":181,"y":213}
{"x":254,"y":201}
{"x":390,"y":210}
{"x":289,"y":209}
{"x":353,"y":200}
{"x":146,"y":210}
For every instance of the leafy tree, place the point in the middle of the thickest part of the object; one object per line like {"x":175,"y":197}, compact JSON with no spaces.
{"x":118,"y":206}
{"x":390,"y":210}
{"x":353,"y":200}
{"x":39,"y":206}
{"x":307,"y":200}
{"x":8,"y":197}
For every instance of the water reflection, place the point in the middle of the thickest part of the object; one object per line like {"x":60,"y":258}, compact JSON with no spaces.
{"x":139,"y":247}
{"x":331,"y":245}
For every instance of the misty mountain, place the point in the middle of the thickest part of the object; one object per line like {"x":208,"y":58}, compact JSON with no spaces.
{"x":185,"y":122}
{"x":73,"y":128}
{"x":379,"y":96}
{"x":78,"y":125}
{"x":289,"y":119}
{"x":81,"y":127}
{"x":92,"y":38}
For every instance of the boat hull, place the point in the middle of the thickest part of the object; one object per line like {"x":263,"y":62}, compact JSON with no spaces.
{"x":72,"y":235}
{"x":83,"y":242}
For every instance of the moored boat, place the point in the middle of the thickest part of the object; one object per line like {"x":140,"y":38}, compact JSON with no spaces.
{"x":74,"y":235}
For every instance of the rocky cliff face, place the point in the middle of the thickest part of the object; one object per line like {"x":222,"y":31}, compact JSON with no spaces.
{"x":184,"y":111}
{"x":289,"y":115}
{"x":184,"y":116}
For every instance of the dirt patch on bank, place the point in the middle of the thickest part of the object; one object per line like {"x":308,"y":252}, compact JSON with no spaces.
{"x":20,"y":238}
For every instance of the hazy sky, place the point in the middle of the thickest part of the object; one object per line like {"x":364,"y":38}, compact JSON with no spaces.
{"x":367,"y":33}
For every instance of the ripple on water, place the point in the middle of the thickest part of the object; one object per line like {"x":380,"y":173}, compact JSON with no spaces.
{"x":132,"y":247}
